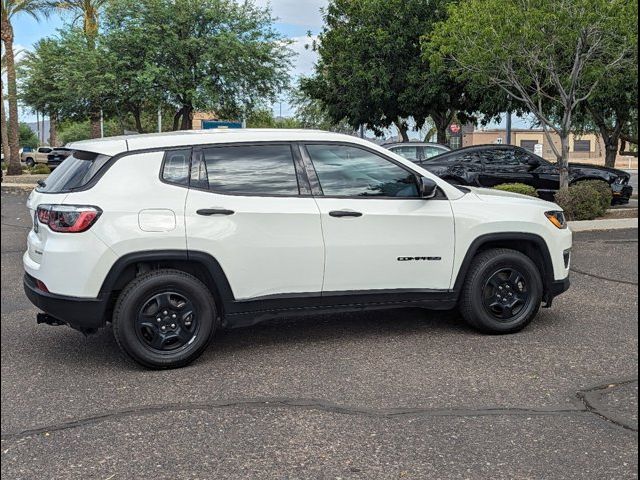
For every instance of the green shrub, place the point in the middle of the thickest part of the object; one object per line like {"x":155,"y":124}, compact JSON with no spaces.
{"x":603,"y":189}
{"x":40,"y":168}
{"x":581,"y":201}
{"x":518,"y":188}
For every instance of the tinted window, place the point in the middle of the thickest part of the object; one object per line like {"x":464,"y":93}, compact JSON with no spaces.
{"x":44,"y":150}
{"x":409,"y":152}
{"x":430,"y":151}
{"x":250,"y":170}
{"x":529,"y":145}
{"x":176,"y":166}
{"x":75,"y":171}
{"x":582,"y":146}
{"x":355,"y":172}
{"x":499,"y":156}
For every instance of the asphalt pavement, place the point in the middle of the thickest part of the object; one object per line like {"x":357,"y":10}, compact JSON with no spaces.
{"x":400,"y":395}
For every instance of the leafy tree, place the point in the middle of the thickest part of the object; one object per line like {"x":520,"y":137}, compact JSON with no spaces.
{"x":612,"y":111}
{"x":26,"y":136}
{"x":88,"y":11}
{"x":550,"y":56}
{"x":371,"y":70}
{"x":42,"y":79}
{"x":8,"y":10}
{"x":73,"y":131}
{"x":215,"y":55}
{"x":311,"y":112}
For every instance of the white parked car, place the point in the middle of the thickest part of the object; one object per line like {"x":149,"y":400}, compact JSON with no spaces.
{"x":172,"y":236}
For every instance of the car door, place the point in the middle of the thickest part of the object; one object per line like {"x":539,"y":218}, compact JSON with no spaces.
{"x":500,"y":165}
{"x":246,"y":209}
{"x":42,"y":155}
{"x":379,"y":234}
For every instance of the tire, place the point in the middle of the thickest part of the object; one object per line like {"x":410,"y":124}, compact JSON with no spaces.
{"x":502,"y":292}
{"x":29,"y":162}
{"x":164,"y":319}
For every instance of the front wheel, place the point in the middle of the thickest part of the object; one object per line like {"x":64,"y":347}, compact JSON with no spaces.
{"x":29,"y":162}
{"x":164,"y":319}
{"x":502,"y":292}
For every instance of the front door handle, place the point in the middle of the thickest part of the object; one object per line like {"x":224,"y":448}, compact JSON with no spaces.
{"x":214,"y":211}
{"x":344,"y":213}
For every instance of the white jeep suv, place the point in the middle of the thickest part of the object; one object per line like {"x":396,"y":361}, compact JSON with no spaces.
{"x":172,"y":236}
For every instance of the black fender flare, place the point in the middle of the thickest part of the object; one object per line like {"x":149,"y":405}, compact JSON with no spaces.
{"x":205,"y":260}
{"x":497,"y":238}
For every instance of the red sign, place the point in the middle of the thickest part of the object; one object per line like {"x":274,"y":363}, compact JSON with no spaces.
{"x":454,"y":128}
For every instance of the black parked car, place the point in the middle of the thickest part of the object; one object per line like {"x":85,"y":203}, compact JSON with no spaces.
{"x":57,"y":155}
{"x":491,"y":165}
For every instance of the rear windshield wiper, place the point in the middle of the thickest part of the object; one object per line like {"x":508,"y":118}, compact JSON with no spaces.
{"x":41,"y":183}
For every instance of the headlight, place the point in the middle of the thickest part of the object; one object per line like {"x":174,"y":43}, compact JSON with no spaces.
{"x":557,"y":218}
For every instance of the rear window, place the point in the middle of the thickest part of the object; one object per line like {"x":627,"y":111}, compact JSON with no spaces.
{"x":74,"y":172}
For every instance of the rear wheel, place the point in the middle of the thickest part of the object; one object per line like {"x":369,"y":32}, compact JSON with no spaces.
{"x":502,"y":292}
{"x":164,"y":319}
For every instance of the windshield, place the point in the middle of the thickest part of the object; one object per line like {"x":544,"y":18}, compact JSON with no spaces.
{"x":74,"y":172}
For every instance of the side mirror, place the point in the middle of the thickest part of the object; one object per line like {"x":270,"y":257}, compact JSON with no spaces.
{"x":428,"y":188}
{"x":533,"y":162}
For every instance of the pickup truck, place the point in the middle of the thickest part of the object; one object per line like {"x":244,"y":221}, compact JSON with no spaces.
{"x":40,"y":155}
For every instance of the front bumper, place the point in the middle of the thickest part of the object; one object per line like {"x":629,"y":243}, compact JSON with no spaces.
{"x":621,"y":193}
{"x":556,"y":288}
{"x":84,"y":314}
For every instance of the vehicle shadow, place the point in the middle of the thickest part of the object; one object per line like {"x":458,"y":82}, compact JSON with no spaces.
{"x":100,"y":349}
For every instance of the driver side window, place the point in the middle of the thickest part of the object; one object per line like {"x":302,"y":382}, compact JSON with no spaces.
{"x":348,"y":171}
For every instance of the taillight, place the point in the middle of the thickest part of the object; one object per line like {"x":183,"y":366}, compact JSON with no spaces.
{"x":68,"y":218}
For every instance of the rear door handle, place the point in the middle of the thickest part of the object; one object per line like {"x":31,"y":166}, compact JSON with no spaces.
{"x":344,"y":213}
{"x":214,"y":211}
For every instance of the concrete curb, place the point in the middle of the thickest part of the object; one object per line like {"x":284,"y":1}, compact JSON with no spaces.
{"x":608,"y":224}
{"x":24,"y":186}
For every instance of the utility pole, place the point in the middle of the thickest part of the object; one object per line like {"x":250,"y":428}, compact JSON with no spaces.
{"x":38,"y":124}
{"x":508,"y":128}
{"x":159,"y":119}
{"x":101,"y":124}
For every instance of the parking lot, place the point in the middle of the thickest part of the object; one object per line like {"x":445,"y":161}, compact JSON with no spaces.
{"x":401,"y":394}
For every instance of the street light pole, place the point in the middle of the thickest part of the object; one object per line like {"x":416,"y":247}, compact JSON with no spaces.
{"x":509,"y":128}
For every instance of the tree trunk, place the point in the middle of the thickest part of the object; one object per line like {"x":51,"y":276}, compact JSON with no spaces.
{"x":187,"y":118}
{"x":442,"y":122}
{"x":611,"y":154}
{"x":563,"y":161}
{"x":138,"y":120}
{"x":94,"y":119}
{"x":3,"y":121}
{"x":176,"y":119}
{"x":53,"y":129}
{"x":13,"y":165}
{"x":403,"y":131}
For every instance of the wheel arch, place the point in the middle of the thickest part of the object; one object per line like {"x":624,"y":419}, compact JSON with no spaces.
{"x":530,"y":244}
{"x":590,"y":178}
{"x":199,"y":264}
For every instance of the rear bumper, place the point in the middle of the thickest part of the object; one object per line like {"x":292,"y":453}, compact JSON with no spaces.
{"x":84,"y":314}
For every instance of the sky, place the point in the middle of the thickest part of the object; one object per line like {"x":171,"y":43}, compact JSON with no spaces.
{"x":294,"y":19}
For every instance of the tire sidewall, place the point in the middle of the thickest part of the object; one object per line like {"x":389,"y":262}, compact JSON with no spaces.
{"x":125,"y":319}
{"x":533,"y":281}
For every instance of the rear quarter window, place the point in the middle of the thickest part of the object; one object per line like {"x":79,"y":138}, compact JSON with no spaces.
{"x":75,"y":172}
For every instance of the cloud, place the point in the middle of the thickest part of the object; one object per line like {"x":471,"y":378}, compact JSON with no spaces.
{"x":305,"y":56}
{"x":304,"y":13}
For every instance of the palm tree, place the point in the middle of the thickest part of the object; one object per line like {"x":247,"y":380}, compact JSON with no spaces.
{"x":8,"y":10}
{"x":3,"y":119}
{"x":88,"y":11}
